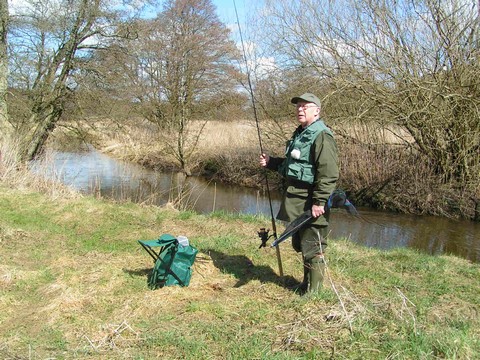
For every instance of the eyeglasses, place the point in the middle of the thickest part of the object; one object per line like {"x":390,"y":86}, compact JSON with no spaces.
{"x":305,"y":107}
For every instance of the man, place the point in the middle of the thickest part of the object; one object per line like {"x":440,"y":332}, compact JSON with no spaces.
{"x":310,"y":168}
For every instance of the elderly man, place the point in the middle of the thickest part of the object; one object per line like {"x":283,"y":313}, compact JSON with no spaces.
{"x":310,"y":168}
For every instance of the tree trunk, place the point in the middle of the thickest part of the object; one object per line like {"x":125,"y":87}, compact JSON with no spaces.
{"x":5,"y":127}
{"x":46,"y":124}
{"x":476,"y":214}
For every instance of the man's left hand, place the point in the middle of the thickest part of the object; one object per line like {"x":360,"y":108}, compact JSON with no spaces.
{"x":317,"y":210}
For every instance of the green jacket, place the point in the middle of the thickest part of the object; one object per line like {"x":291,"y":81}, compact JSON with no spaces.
{"x":299,"y":196}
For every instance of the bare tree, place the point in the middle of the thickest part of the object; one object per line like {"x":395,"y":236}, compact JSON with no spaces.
{"x":410,"y":63}
{"x":184,"y":59}
{"x":49,"y":39}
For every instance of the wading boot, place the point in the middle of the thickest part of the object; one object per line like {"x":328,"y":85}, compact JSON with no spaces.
{"x":317,"y":270}
{"x":303,"y":286}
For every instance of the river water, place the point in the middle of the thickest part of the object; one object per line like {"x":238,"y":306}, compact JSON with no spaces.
{"x":94,"y":173}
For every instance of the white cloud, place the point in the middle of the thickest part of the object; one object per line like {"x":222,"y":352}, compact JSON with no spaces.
{"x":260,"y":65}
{"x":16,"y":6}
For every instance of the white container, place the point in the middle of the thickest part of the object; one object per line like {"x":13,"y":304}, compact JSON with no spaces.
{"x":182,"y":240}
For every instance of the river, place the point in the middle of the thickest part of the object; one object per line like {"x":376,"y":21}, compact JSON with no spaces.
{"x":94,"y":173}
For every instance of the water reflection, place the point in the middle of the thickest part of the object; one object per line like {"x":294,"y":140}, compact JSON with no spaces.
{"x":426,"y":233}
{"x":95,"y":173}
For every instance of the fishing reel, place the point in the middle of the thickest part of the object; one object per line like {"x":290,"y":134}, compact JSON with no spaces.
{"x":263,"y":235}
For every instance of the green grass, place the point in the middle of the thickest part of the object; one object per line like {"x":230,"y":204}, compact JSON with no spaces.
{"x":73,"y":284}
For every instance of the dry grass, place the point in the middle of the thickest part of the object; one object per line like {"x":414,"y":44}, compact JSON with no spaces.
{"x":136,"y":140}
{"x":225,"y":136}
{"x":18,"y":175}
{"x":215,"y":137}
{"x":74,"y":285}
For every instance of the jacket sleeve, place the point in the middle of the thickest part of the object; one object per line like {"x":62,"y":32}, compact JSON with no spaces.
{"x":327,"y":169}
{"x":274,"y":163}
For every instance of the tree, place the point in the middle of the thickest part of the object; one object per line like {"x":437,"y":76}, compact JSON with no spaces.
{"x":5,"y":128}
{"x":183,"y":60}
{"x":49,"y":39}
{"x":411,"y":63}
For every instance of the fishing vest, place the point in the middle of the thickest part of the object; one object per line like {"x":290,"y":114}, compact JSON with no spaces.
{"x":299,"y":163}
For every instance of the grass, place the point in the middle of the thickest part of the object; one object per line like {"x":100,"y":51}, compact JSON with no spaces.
{"x":73,"y":284}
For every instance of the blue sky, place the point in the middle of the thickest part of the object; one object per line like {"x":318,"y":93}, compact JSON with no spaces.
{"x":245,"y":9}
{"x":226,"y":10}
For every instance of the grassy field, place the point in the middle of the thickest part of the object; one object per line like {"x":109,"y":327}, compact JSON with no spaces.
{"x":73,"y":284}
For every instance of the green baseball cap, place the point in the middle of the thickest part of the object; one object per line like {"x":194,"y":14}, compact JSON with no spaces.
{"x":307,"y":97}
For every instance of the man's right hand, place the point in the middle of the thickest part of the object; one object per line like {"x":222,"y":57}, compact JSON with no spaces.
{"x":264,"y":159}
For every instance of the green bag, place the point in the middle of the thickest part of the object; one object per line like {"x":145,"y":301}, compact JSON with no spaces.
{"x":173,"y":265}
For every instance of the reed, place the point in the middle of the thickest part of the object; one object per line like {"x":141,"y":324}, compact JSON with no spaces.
{"x":16,"y":174}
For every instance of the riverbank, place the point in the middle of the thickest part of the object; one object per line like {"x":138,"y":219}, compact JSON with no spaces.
{"x":74,"y":285}
{"x":379,"y":168}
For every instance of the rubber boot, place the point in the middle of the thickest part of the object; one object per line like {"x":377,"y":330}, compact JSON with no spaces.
{"x":317,"y":271}
{"x":303,"y":286}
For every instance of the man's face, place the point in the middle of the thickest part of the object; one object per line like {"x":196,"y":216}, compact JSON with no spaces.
{"x":307,"y":113}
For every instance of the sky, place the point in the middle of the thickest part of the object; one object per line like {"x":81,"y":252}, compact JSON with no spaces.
{"x":226,"y":10}
{"x":226,"y":13}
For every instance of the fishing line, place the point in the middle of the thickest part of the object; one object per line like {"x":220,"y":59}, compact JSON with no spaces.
{"x":252,"y":98}
{"x":329,"y":276}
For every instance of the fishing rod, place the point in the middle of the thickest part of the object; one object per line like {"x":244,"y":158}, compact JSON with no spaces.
{"x":263,"y":234}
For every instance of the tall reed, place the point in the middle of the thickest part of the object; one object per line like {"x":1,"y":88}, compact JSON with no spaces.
{"x":17,"y":174}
